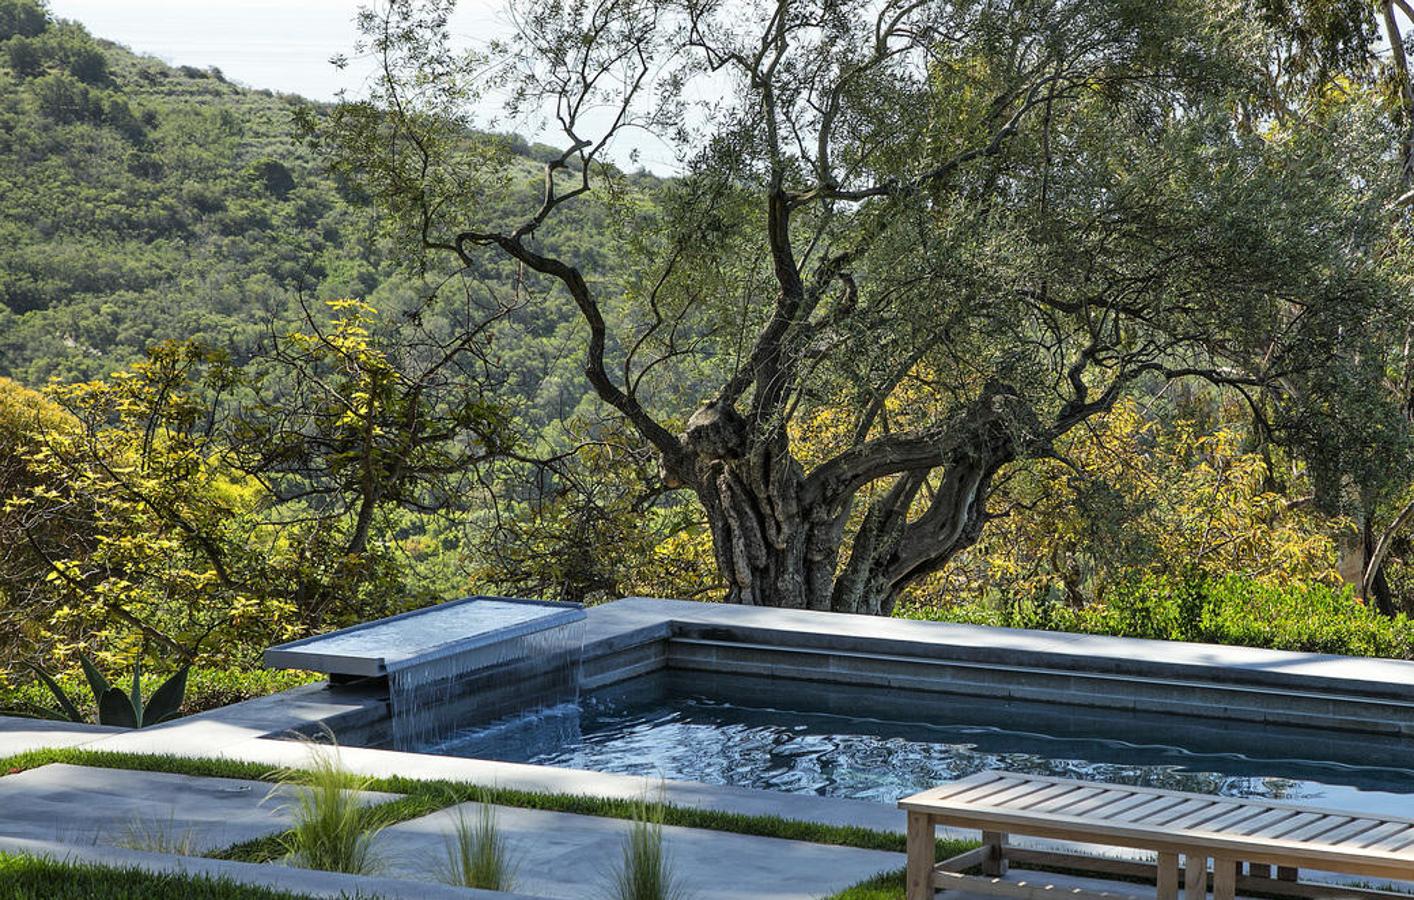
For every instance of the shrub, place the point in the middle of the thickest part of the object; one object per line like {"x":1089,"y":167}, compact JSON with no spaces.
{"x":207,"y":688}
{"x":645,"y":871}
{"x":478,"y":855}
{"x":1233,"y":609}
{"x":24,"y":18}
{"x":332,"y":828}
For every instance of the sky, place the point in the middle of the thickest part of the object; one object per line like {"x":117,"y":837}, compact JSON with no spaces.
{"x":285,"y":45}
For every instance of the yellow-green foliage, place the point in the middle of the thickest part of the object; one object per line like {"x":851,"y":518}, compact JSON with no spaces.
{"x":1300,"y":616}
{"x":134,"y":527}
{"x":1181,"y":493}
{"x":129,"y":520}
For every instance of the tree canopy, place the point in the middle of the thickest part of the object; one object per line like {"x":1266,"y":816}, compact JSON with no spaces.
{"x":966,"y":228}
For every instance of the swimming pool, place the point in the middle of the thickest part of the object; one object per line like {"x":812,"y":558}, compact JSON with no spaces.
{"x":867,"y":743}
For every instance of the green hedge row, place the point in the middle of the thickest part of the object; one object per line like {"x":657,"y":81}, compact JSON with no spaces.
{"x":1309,"y":617}
{"x":206,"y":689}
{"x":31,"y":878}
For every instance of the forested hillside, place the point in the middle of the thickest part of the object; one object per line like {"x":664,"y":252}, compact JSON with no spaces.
{"x":260,"y":376}
{"x":141,"y":202}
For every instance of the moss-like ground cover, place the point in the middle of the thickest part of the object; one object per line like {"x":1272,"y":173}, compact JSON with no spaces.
{"x":33,"y":878}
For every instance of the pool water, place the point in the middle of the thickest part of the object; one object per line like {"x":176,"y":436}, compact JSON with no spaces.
{"x":883,"y":744}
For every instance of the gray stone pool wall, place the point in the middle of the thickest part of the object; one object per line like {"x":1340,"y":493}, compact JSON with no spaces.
{"x":1238,"y":684}
{"x":636,"y":636}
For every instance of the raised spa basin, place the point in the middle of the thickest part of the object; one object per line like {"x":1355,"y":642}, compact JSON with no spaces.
{"x":466,"y":629}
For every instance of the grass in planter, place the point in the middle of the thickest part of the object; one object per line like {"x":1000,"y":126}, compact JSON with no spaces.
{"x":423,"y":797}
{"x":645,"y":871}
{"x":35,"y":878}
{"x":333,"y":828}
{"x":478,"y":855}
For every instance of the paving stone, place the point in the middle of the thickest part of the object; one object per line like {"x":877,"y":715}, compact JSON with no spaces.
{"x":89,"y":806}
{"x":19,"y":735}
{"x":561,"y":855}
{"x":306,"y":882}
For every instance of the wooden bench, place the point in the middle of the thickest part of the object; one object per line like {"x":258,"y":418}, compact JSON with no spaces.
{"x":1254,"y":845}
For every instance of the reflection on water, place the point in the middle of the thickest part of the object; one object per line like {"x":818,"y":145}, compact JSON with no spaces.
{"x":876,"y":745}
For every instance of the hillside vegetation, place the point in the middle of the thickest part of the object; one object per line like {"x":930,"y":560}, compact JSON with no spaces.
{"x":238,"y":404}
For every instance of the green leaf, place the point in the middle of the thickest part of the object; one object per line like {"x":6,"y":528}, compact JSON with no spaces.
{"x":114,"y":708}
{"x":166,"y":701}
{"x":65,"y":703}
{"x":96,"y":682}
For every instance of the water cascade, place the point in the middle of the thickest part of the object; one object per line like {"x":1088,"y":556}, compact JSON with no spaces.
{"x":455,"y":665}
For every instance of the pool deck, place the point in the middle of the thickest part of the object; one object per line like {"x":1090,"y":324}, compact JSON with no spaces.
{"x":637,"y":635}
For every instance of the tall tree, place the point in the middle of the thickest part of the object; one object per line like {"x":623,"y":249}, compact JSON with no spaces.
{"x":968,"y":227}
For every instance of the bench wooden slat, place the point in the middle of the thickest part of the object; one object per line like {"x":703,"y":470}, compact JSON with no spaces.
{"x":1055,"y":790}
{"x":1243,"y":813}
{"x":952,"y":789}
{"x":1377,"y":835}
{"x":1148,"y":808}
{"x":1010,"y":796}
{"x":1323,"y":825}
{"x":1219,"y":807}
{"x":1300,"y":822}
{"x":1186,"y":808}
{"x":1100,"y":801}
{"x":1175,"y":824}
{"x":1272,"y":817}
{"x":983,"y":791}
{"x":1055,"y":779}
{"x":1392,"y":842}
{"x":1344,"y":833}
{"x":1064,"y":800}
{"x":1121,"y":806}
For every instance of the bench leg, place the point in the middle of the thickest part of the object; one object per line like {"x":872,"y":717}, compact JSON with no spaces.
{"x":921,"y":846}
{"x":1224,"y":878}
{"x":1195,"y":876}
{"x":1168,"y":876}
{"x":996,"y":864}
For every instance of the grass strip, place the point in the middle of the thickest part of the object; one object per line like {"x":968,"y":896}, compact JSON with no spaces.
{"x":884,"y":886}
{"x":423,"y":797}
{"x":24,"y":877}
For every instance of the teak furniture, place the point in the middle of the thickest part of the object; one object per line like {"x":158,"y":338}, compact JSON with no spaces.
{"x":1254,"y":845}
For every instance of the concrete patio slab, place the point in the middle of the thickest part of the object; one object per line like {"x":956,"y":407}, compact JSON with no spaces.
{"x":139,"y":810}
{"x":299,"y":881}
{"x":562,"y":855}
{"x":21,"y":735}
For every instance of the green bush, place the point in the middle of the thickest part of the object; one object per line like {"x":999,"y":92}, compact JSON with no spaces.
{"x":1299,"y":616}
{"x":31,"y":878}
{"x":645,"y":871}
{"x":207,"y":688}
{"x":333,"y":829}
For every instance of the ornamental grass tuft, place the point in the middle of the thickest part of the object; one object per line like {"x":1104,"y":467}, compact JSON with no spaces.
{"x":332,"y":828}
{"x":478,"y":854}
{"x":645,"y":871}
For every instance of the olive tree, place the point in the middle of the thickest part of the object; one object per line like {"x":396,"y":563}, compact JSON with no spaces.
{"x":911,"y":242}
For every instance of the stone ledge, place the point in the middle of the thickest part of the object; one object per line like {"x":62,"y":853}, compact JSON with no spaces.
{"x":1173,"y":660}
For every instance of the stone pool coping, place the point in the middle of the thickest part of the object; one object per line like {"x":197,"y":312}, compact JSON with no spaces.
{"x":623,"y":622}
{"x":1216,"y":682}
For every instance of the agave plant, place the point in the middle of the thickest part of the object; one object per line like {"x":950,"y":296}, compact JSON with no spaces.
{"x":116,"y":707}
